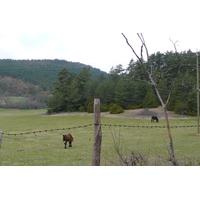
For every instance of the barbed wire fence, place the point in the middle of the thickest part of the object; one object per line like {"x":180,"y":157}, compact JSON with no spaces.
{"x":95,"y":144}
{"x":39,"y":156}
{"x":47,"y":147}
{"x":50,"y":130}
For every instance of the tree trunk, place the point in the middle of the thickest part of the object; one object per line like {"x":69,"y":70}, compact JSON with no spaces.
{"x":172,"y":154}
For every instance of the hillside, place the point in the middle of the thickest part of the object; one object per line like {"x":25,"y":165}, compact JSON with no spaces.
{"x":42,"y":73}
{"x":15,"y":93}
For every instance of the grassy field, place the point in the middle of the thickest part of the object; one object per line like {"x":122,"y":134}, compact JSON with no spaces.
{"x":14,"y":100}
{"x":149,"y":146}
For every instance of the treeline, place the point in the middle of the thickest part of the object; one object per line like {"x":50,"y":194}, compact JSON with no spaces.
{"x":128,"y":88}
{"x":42,"y":73}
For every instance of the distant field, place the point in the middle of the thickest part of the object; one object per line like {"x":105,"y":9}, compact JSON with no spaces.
{"x":14,"y":99}
{"x":46,"y":148}
{"x":18,"y":99}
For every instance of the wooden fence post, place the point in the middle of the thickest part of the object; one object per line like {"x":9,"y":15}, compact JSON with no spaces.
{"x":97,"y":134}
{"x":0,"y":138}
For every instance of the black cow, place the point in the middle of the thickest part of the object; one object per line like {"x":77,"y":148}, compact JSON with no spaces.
{"x":154,"y":118}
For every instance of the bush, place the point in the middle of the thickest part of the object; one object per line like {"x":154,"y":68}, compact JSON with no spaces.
{"x":180,"y":108}
{"x":171,"y":104}
{"x":115,"y":109}
{"x":90,"y":108}
{"x":191,"y":104}
{"x":81,"y":109}
{"x":104,"y":108}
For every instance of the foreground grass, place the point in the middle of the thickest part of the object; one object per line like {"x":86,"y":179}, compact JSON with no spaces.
{"x":47,"y":148}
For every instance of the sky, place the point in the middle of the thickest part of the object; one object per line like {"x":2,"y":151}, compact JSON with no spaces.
{"x":89,"y":31}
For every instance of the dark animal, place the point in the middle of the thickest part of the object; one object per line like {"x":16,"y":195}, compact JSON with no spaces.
{"x":68,"y":138}
{"x":154,"y":118}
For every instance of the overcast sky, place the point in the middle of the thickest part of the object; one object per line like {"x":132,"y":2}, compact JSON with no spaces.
{"x":89,"y":31}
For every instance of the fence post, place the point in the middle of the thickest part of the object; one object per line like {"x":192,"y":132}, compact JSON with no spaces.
{"x":0,"y":138}
{"x":97,"y":134}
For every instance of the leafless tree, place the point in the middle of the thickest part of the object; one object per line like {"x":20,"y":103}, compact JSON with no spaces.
{"x":148,"y":68}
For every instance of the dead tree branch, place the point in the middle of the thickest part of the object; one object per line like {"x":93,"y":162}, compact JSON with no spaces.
{"x":154,"y":84}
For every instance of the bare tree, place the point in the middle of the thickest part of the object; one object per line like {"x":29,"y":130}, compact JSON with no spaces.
{"x":153,"y":80}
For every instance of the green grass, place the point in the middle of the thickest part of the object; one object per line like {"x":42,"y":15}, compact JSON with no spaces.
{"x":14,"y":99}
{"x":46,"y":148}
{"x":18,"y":99}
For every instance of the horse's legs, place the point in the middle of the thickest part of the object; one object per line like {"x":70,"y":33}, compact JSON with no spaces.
{"x":70,"y":143}
{"x":65,"y":145}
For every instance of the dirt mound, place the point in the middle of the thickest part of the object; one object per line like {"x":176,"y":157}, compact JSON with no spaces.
{"x":147,"y":112}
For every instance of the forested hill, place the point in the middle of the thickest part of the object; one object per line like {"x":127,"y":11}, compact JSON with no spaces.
{"x":41,"y":72}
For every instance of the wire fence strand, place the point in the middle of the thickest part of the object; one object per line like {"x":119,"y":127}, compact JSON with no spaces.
{"x":82,"y":153}
{"x":109,"y":125}
{"x":59,"y":129}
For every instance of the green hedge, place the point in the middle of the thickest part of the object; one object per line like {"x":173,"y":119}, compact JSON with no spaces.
{"x":115,"y":109}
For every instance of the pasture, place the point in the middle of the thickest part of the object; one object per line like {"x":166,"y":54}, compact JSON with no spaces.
{"x":13,"y":100}
{"x":136,"y":145}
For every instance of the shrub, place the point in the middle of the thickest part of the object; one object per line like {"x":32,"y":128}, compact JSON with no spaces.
{"x":191,"y":104}
{"x":180,"y":108}
{"x":104,"y":108}
{"x":81,"y":109}
{"x":115,"y":109}
{"x":171,"y":104}
{"x":90,"y":108}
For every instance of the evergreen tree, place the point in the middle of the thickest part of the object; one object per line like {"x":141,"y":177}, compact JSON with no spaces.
{"x":71,"y":91}
{"x":150,"y":101}
{"x":192,"y":103}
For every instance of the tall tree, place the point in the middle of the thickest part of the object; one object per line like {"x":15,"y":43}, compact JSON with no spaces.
{"x":63,"y":87}
{"x":71,"y":91}
{"x":153,"y":78}
{"x":80,"y":89}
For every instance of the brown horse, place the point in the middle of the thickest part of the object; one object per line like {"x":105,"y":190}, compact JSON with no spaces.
{"x":68,"y":138}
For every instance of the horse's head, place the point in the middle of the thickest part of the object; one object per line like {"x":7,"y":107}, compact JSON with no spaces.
{"x":64,"y":139}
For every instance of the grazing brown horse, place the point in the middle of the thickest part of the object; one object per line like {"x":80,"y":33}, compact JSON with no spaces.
{"x":68,"y":138}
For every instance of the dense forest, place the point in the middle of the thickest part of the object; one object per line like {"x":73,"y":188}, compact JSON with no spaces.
{"x":42,"y":73}
{"x":128,"y":88}
{"x":32,"y":81}
{"x":73,"y":86}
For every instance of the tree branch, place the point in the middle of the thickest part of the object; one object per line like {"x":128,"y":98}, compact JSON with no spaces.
{"x":141,"y":61}
{"x":174,"y":43}
{"x":132,"y":48}
{"x":147,"y":52}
